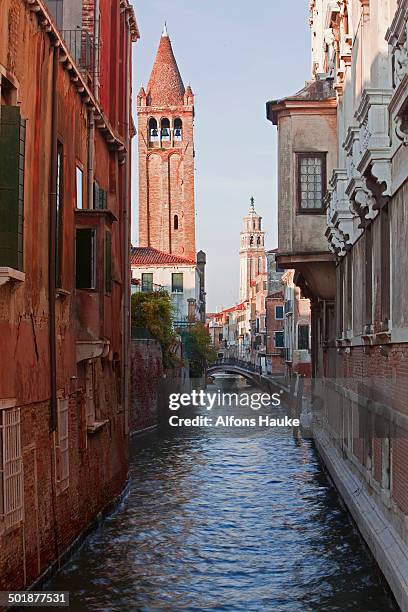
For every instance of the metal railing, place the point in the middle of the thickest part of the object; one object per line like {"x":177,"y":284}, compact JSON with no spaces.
{"x":82,"y":48}
{"x":239,"y":363}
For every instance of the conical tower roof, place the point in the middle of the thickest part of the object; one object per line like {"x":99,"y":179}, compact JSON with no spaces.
{"x":166,"y":86}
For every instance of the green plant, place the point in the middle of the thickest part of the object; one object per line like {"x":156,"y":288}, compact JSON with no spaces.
{"x":199,"y":352}
{"x":153,"y":311}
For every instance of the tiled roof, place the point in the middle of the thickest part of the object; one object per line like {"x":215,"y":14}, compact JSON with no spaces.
{"x":166,"y":86}
{"x":142,"y":256}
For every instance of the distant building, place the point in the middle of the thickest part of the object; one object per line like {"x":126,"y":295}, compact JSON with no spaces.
{"x":297,"y":319}
{"x":166,"y":247}
{"x":252,"y":251}
{"x":274,"y":306}
{"x":166,"y":158}
{"x":153,"y":270}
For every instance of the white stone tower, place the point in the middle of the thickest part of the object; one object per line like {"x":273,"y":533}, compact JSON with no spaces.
{"x":252,"y":251}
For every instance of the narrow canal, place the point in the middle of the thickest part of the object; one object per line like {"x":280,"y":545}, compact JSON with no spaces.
{"x":221,"y":519}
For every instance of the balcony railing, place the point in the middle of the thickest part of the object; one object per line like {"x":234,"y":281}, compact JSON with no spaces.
{"x":82,"y":48}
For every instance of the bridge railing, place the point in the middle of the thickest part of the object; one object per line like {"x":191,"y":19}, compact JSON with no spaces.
{"x":239,"y":363}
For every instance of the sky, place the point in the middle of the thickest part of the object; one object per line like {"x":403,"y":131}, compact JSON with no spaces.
{"x":236,"y":55}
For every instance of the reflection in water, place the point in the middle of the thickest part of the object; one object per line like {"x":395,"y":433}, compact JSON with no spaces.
{"x":221,"y":520}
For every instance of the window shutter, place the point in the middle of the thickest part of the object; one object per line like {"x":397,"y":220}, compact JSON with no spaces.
{"x":100,"y":197}
{"x":12,"y":146}
{"x":108,"y":262}
{"x":96,"y":195}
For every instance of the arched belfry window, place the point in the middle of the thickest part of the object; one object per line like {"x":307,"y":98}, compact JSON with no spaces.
{"x":165,"y":130}
{"x":258,"y":242}
{"x":251,"y":241}
{"x":178,"y":130}
{"x":176,"y":222}
{"x":153,"y":131}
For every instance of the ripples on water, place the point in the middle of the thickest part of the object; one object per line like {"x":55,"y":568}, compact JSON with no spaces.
{"x":216,"y":521}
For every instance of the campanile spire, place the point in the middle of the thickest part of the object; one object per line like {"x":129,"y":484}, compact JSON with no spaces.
{"x":166,"y":158}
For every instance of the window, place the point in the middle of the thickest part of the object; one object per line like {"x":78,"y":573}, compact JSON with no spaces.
{"x":279,"y":313}
{"x":176,"y":222}
{"x":89,"y":392}
{"x":265,"y":285}
{"x":100,"y":198}
{"x":178,"y":130}
{"x":303,"y":337}
{"x":79,"y":188}
{"x":153,"y":131}
{"x":147,"y":282}
{"x":56,"y":8}
{"x":85,"y":258}
{"x":385,"y":268}
{"x":258,"y":241}
{"x":349,"y":290}
{"x":279,"y":339}
{"x":368,"y":278}
{"x":311,"y":182}
{"x":108,"y":262}
{"x":60,"y":215}
{"x":251,"y":241}
{"x":165,"y":130}
{"x":12,"y":141}
{"x":177,"y":282}
{"x":11,"y":467}
{"x":62,"y":449}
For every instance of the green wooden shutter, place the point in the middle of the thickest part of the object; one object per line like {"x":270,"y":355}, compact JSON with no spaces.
{"x":100,"y":197}
{"x":12,"y":145}
{"x":95,"y":195}
{"x":108,"y":262}
{"x":85,"y":258}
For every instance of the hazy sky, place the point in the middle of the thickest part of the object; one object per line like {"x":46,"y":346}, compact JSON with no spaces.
{"x":236,"y":55}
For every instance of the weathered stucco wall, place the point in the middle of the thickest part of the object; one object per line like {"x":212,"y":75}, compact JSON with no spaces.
{"x":302,"y":133}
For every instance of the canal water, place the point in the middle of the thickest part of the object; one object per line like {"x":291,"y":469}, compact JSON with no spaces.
{"x":226,"y":519}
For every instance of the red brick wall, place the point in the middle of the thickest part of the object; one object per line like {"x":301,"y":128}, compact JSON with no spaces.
{"x":146,"y":376}
{"x":53,"y":519}
{"x":272,"y":325}
{"x":381,"y":374}
{"x":97,"y":461}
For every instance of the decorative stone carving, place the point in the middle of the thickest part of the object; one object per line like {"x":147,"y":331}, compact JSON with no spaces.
{"x":340,"y":216}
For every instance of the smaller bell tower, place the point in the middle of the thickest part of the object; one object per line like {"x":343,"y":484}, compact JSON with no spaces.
{"x":252,"y":251}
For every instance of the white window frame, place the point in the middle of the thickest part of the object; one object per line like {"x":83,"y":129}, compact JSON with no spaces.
{"x":62,"y":445}
{"x":11,"y":468}
{"x":79,"y":187}
{"x":282,"y":318}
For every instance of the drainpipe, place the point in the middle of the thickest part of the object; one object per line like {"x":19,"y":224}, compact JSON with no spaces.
{"x":52,"y":247}
{"x":126,"y":241}
{"x":90,"y":160}
{"x":96,"y":48}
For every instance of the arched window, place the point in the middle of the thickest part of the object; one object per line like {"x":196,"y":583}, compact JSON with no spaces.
{"x":251,"y":241}
{"x":258,"y":242}
{"x":176,"y":222}
{"x":153,"y":131}
{"x":178,"y":130}
{"x":165,"y":130}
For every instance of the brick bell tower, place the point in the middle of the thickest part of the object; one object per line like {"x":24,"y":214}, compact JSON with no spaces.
{"x":166,"y":158}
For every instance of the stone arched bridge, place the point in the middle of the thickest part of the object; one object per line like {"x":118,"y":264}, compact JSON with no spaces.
{"x":235,"y":366}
